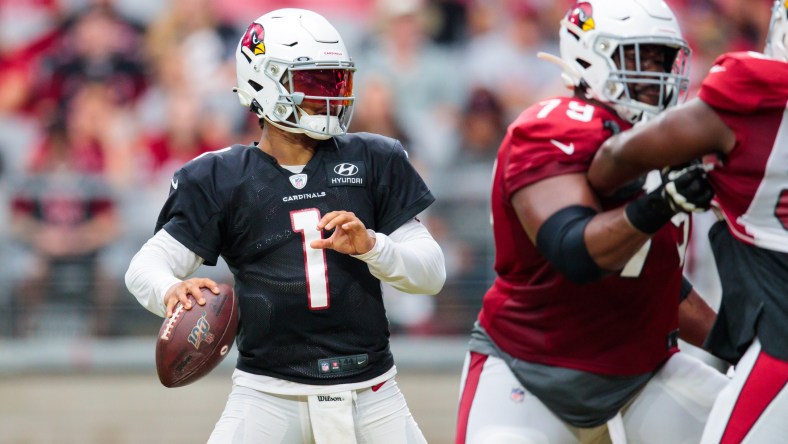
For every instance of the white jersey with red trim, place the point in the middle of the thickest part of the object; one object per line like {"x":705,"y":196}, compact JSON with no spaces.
{"x":750,"y":92}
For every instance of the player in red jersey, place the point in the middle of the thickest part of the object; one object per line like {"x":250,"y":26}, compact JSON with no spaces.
{"x":739,"y":122}
{"x":576,"y":341}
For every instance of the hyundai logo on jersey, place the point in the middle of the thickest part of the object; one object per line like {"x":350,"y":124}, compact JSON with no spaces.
{"x":346,"y":174}
{"x":346,"y":169}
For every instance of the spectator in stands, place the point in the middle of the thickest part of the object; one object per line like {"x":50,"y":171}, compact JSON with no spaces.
{"x":424,"y":78}
{"x":184,"y":137}
{"x":193,"y":33}
{"x":62,"y":211}
{"x":96,"y":46}
{"x":376,"y":110}
{"x":501,"y":54}
{"x":462,"y":208}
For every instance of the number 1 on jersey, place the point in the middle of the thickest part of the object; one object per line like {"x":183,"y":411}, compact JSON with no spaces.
{"x":305,"y":222}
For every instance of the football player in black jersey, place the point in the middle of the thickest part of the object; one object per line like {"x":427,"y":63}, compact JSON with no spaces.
{"x":310,"y":220}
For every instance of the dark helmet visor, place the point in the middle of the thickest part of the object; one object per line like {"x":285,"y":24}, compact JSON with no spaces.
{"x":324,"y":83}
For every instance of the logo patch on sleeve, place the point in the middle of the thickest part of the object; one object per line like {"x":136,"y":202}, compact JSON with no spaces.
{"x":346,"y":174}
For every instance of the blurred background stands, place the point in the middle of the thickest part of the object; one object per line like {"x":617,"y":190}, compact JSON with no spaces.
{"x":102,"y":100}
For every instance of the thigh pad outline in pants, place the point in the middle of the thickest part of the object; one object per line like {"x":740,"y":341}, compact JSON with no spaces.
{"x":503,"y":412}
{"x":675,"y":404}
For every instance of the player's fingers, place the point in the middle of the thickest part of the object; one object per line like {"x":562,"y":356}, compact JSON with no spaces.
{"x":170,"y":306}
{"x":193,"y":289}
{"x":171,"y":298}
{"x":340,"y":220}
{"x":328,"y":217}
{"x":183,"y":298}
{"x":354,"y":226}
{"x":210,"y":284}
{"x":199,"y":297}
{"x":321,"y":243}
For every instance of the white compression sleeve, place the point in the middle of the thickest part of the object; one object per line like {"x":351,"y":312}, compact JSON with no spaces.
{"x":409,"y":259}
{"x":161,"y":263}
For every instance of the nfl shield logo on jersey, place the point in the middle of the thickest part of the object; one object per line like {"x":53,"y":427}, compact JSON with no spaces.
{"x":298,"y":180}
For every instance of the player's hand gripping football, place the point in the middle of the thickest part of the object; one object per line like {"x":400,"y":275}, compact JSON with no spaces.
{"x":350,"y":236}
{"x":180,"y":293}
{"x":686,"y":187}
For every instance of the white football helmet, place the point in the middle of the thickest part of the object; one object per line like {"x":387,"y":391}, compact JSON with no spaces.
{"x":294,"y":71}
{"x":594,"y":36}
{"x":777,"y":40}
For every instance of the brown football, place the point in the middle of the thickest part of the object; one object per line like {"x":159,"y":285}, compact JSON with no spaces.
{"x":193,"y":342}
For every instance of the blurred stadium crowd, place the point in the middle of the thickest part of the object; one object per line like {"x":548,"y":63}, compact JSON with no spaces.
{"x":102,"y":100}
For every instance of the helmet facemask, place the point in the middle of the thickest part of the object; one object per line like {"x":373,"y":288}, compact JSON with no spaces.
{"x":647,"y":76}
{"x":316,"y":99}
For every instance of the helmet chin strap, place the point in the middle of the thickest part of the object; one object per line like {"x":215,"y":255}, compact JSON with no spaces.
{"x":289,"y":129}
{"x":316,"y":127}
{"x":248,"y":101}
{"x":243,"y":96}
{"x":298,"y":130}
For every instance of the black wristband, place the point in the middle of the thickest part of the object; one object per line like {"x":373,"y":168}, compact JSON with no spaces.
{"x":648,"y":213}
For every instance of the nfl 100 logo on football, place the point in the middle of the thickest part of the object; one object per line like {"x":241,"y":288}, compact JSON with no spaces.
{"x":344,"y":174}
{"x":201,"y":332}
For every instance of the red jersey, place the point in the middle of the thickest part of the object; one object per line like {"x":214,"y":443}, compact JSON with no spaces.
{"x":623,"y":324}
{"x":749,"y":92}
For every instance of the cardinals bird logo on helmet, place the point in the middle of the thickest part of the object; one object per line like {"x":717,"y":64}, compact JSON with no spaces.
{"x":253,"y":39}
{"x":582,"y":16}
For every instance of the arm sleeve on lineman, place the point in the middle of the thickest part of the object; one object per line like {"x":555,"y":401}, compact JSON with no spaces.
{"x":161,"y":263}
{"x":409,"y":259}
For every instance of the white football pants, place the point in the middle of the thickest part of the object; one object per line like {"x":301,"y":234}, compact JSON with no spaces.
{"x":753,"y":408}
{"x":372,"y":417}
{"x":672,"y":408}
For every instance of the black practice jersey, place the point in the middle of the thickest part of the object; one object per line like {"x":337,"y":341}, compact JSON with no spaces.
{"x":309,"y":316}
